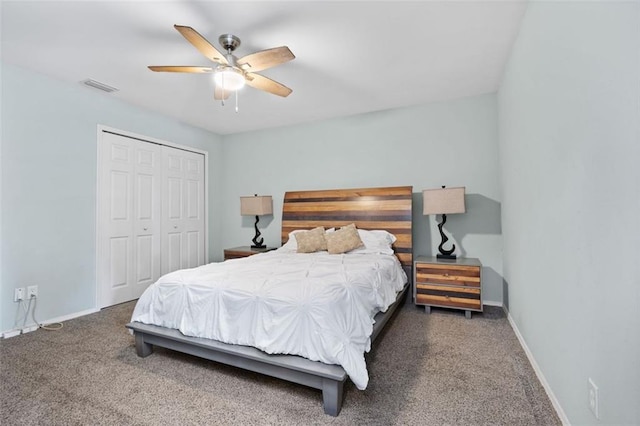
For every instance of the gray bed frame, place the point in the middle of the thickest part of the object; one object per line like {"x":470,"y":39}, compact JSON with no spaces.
{"x":329,"y":378}
{"x":388,"y":208}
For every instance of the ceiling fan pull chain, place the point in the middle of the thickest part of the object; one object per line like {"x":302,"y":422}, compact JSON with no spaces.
{"x":236,"y":101}
{"x":223,"y":89}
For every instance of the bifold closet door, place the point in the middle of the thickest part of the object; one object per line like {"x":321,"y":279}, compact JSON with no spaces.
{"x":130,"y":229}
{"x":182,"y":209}
{"x":151,"y":215}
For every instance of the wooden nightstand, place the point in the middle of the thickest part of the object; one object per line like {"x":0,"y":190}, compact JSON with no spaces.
{"x":450,"y":284}
{"x":244,"y":251}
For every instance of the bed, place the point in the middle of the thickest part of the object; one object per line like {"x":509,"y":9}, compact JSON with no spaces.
{"x":387,"y":209}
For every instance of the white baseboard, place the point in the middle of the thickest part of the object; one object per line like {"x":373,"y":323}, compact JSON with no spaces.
{"x":11,"y":333}
{"x":71,"y":316}
{"x":33,"y":327}
{"x":492,"y":303}
{"x":536,"y":368}
{"x":29,"y":329}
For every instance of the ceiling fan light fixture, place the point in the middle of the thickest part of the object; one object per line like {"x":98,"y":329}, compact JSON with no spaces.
{"x":228,"y":78}
{"x":231,"y":73}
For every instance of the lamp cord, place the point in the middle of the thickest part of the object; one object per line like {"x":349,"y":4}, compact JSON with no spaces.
{"x":49,"y":327}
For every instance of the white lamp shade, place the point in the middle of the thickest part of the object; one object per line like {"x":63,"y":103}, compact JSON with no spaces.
{"x":443,"y":201}
{"x":257,"y":205}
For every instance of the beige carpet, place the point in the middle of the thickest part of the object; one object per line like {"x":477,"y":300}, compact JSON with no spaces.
{"x":438,"y":369}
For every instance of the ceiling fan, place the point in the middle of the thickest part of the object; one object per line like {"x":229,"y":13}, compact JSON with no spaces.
{"x":232,"y":73}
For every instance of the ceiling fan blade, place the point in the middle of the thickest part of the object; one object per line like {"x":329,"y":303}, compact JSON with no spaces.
{"x":179,"y":68}
{"x":219,"y":94}
{"x":264,"y":59}
{"x":201,"y":44}
{"x":261,"y":82}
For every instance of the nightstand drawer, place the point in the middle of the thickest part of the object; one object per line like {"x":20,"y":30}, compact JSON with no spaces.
{"x":234,"y":255}
{"x":446,"y":274}
{"x":449,"y":296}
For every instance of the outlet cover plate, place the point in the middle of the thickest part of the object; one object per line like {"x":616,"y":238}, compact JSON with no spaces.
{"x":32,"y":291}
{"x":18,"y":294}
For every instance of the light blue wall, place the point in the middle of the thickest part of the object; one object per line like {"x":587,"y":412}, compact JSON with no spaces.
{"x":449,"y":143}
{"x":49,"y":136}
{"x":569,"y":155}
{"x":49,"y":175}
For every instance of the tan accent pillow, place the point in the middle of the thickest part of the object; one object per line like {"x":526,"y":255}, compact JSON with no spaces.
{"x":343,"y":240}
{"x":311,"y":241}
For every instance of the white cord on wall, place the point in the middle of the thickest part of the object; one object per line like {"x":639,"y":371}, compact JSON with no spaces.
{"x":50,"y":327}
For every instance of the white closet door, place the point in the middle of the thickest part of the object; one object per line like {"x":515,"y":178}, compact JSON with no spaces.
{"x":115,"y":272}
{"x":151,"y":214}
{"x":147,"y":223}
{"x":130,"y":218}
{"x":183,"y":239}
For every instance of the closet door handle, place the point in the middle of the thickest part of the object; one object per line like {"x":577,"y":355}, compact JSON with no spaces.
{"x":175,"y":226}
{"x":144,"y":229}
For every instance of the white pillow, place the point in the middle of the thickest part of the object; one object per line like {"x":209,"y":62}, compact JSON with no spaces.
{"x":375,"y":242}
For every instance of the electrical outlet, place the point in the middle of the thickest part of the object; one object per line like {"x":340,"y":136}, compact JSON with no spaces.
{"x":18,"y":294}
{"x":32,"y":291}
{"x":593,"y":398}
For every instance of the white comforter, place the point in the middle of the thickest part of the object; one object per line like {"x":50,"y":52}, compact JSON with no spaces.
{"x":318,"y":306}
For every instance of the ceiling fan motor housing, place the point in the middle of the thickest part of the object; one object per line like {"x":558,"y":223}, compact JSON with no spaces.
{"x":229,"y":42}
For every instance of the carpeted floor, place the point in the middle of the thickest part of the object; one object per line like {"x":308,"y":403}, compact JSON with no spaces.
{"x":438,"y":369}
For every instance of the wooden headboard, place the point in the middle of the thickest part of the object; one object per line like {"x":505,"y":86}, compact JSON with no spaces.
{"x":369,"y":208}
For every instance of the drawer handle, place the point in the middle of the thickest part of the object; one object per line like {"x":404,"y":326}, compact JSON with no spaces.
{"x":446,"y":274}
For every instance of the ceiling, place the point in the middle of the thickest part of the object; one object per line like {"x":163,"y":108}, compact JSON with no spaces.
{"x":351,"y":57}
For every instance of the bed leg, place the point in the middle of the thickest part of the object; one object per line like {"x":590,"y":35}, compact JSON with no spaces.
{"x":332,"y":396}
{"x":142,"y":349}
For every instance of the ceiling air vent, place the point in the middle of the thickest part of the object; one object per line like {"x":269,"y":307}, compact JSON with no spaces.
{"x":99,"y":86}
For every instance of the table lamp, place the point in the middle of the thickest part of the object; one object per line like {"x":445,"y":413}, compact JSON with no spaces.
{"x":257,"y":206}
{"x":443,"y":201}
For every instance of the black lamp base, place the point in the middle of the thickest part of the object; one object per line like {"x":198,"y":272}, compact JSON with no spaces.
{"x":257,"y":241}
{"x":444,"y":253}
{"x":446,"y":256}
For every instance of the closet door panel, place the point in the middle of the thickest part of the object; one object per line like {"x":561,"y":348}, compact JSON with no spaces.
{"x":145,"y":261}
{"x":193,"y":249}
{"x":145,"y":197}
{"x":193,"y":199}
{"x":119,"y":263}
{"x":148,"y":220}
{"x":174,"y":198}
{"x":172,"y":211}
{"x":183,"y":209}
{"x":173,"y":252}
{"x":115,"y":272}
{"x":194,"y":209}
{"x":120,"y":195}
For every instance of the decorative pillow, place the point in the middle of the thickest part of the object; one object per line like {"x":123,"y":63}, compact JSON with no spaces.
{"x":311,"y":241}
{"x":343,"y":240}
{"x":291,"y":246}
